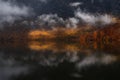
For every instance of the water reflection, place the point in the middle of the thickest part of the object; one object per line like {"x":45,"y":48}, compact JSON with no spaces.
{"x":59,"y":61}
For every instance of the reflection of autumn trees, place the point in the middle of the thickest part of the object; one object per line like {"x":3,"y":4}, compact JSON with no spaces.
{"x":57,"y":47}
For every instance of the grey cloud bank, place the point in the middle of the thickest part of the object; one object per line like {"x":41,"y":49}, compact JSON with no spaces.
{"x":9,"y":11}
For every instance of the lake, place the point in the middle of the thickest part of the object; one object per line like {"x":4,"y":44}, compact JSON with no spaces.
{"x":36,"y":60}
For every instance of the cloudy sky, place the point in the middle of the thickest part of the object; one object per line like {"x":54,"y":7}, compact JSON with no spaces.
{"x":11,"y":10}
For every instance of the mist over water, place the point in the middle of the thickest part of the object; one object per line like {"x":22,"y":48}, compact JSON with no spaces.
{"x":70,"y":61}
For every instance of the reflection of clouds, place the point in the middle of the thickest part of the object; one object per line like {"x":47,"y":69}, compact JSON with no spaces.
{"x":54,"y":59}
{"x":76,"y":75}
{"x":81,"y":60}
{"x":103,"y":59}
{"x":87,"y":61}
{"x":51,"y":60}
{"x":10,"y":64}
{"x":73,"y":56}
{"x":7,"y":72}
{"x":107,"y":59}
{"x":5,"y":61}
{"x":9,"y":67}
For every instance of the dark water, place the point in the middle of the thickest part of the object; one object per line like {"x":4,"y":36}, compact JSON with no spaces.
{"x":59,"y":61}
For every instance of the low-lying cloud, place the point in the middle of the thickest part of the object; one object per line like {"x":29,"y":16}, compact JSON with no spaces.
{"x":50,"y":20}
{"x":94,"y":19}
{"x":80,"y":17}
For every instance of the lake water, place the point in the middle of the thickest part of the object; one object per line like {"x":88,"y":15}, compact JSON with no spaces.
{"x":59,"y":61}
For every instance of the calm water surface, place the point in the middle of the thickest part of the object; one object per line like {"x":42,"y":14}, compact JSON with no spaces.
{"x":59,"y":61}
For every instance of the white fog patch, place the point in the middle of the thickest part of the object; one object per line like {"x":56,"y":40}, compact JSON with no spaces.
{"x":74,"y":57}
{"x":75,"y":4}
{"x":50,"y":20}
{"x":94,"y":19}
{"x":72,"y":22}
{"x":87,"y":62}
{"x":106,"y":19}
{"x":53,"y":20}
{"x":9,"y":11}
{"x":93,"y":60}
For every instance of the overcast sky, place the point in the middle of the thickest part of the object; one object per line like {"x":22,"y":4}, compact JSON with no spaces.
{"x":11,"y":10}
